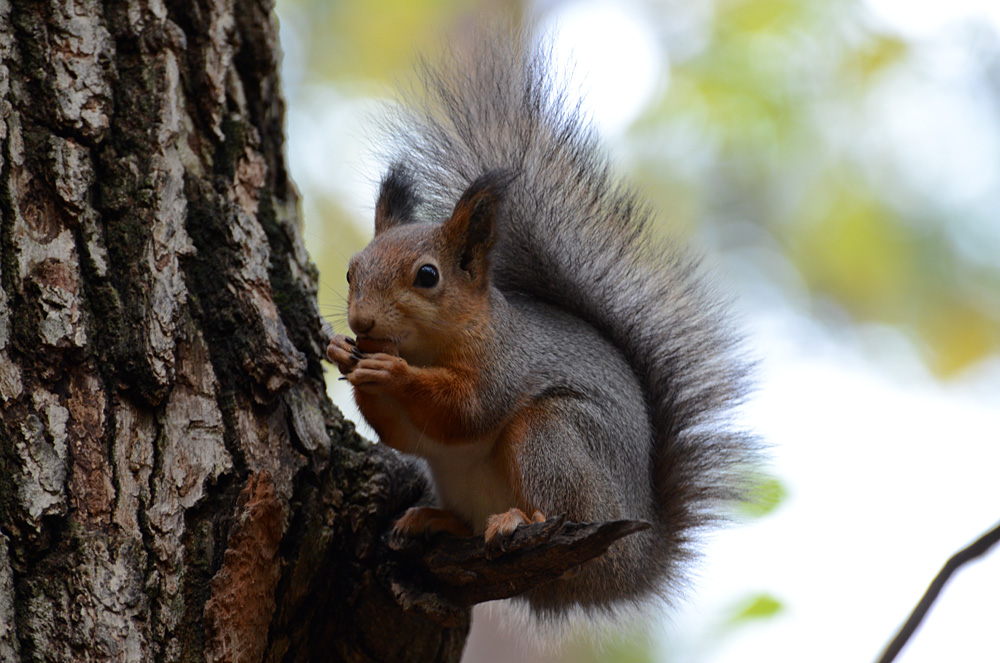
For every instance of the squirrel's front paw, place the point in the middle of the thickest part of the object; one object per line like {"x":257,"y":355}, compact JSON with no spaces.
{"x":374,"y":373}
{"x":500,"y":526}
{"x":343,"y":352}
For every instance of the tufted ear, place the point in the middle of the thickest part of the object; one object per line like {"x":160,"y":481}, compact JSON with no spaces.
{"x":470,"y":229}
{"x":396,"y":199}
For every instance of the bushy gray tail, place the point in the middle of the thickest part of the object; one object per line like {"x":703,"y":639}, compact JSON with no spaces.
{"x":573,"y":237}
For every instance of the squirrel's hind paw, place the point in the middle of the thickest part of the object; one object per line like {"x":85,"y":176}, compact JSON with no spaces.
{"x":426,"y":521}
{"x":500,"y":526}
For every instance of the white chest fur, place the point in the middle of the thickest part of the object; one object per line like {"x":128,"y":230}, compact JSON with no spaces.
{"x":467,"y":481}
{"x":465,"y":475}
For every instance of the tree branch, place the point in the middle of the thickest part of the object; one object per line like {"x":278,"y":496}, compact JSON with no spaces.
{"x":454,"y":573}
{"x":976,"y":549}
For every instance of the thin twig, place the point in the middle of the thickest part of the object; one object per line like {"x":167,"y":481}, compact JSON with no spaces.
{"x":979,"y":547}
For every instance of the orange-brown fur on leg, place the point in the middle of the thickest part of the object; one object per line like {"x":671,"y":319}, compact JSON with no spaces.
{"x":425,"y":520}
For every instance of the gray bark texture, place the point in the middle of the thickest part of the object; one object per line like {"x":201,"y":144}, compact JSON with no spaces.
{"x":174,"y":483}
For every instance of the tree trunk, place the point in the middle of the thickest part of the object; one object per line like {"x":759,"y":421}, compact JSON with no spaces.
{"x":174,"y":483}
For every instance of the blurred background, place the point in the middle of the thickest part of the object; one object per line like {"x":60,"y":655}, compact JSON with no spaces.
{"x":838,"y":161}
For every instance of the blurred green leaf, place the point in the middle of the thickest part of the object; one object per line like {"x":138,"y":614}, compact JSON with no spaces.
{"x":376,"y":40}
{"x":756,"y":608}
{"x":770,"y":123}
{"x":960,"y":334}
{"x":765,"y":498}
{"x":850,"y":245}
{"x":876,"y":56}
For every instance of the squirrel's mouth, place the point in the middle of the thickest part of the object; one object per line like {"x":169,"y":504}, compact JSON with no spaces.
{"x":369,"y":344}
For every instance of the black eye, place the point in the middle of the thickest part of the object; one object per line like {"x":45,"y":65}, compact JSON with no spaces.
{"x":427,"y":277}
{"x":348,"y":277}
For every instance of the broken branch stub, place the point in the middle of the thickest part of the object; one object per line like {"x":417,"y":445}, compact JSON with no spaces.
{"x":443,"y":575}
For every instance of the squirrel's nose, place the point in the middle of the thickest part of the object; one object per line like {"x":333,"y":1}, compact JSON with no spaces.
{"x":360,"y":324}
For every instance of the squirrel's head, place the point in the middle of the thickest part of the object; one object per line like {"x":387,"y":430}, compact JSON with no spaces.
{"x":418,"y":286}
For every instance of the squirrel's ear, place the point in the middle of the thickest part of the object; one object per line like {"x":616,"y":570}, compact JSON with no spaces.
{"x":470,"y":227}
{"x":396,"y":200}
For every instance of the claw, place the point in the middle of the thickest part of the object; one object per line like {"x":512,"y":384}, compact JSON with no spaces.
{"x":499,"y":528}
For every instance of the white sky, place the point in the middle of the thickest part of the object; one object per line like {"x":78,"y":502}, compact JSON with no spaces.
{"x":615,"y":82}
{"x":929,"y":18}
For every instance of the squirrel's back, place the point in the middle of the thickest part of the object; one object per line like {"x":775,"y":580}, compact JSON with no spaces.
{"x":573,"y":238}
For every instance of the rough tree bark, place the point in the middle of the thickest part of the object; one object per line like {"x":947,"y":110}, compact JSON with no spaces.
{"x":174,"y":483}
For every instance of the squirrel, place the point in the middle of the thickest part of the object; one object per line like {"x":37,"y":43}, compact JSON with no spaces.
{"x":518,"y":327}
